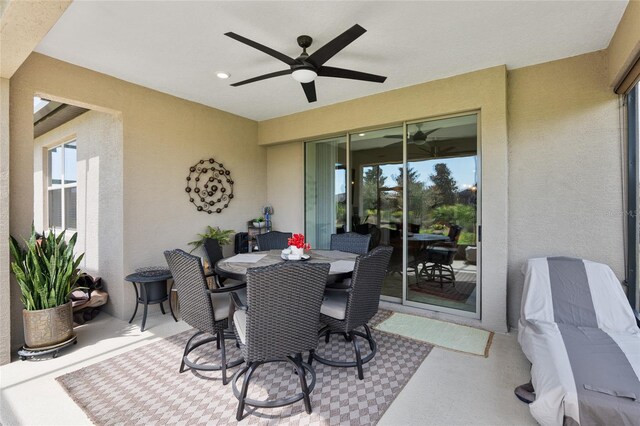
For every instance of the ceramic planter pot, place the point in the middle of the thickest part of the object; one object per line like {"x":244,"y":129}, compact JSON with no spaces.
{"x":48,"y":327}
{"x":296,"y":251}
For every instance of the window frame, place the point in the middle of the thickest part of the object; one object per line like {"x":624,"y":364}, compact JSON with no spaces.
{"x":62,"y":186}
{"x":633,"y":166}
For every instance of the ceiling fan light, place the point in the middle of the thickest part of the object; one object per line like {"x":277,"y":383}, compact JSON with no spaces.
{"x":304,"y":75}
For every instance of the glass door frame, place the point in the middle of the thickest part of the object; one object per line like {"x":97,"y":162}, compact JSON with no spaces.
{"x":405,"y":220}
{"x":349,"y":193}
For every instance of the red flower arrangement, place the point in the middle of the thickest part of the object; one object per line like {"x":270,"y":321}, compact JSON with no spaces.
{"x":297,"y":240}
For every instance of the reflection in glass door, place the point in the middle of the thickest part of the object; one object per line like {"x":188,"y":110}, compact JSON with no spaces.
{"x":417,"y":192}
{"x":442,"y":184}
{"x":325,"y":190}
{"x":377,"y":196}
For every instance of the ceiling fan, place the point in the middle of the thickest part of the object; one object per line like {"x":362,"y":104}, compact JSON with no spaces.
{"x":305,"y":68}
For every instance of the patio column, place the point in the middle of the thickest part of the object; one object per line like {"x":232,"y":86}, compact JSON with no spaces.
{"x":5,"y":293}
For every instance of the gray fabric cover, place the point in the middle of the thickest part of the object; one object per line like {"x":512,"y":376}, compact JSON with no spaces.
{"x":579,"y":332}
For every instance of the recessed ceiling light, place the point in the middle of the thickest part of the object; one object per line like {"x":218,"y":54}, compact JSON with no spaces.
{"x":361,"y":134}
{"x":223,"y":75}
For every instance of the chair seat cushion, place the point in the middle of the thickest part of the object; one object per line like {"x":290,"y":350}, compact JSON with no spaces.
{"x":228,"y":282}
{"x":240,"y":322}
{"x":342,"y":285}
{"x":222,"y":302}
{"x":334,"y":304}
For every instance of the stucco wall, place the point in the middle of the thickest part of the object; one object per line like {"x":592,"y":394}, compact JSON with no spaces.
{"x":285,"y":186}
{"x":98,"y":139}
{"x":565,"y":188}
{"x":625,"y":43}
{"x":483,"y":90}
{"x":5,"y":295}
{"x":162,"y":137}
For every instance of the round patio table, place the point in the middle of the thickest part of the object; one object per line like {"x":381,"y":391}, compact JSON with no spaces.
{"x":235,"y":267}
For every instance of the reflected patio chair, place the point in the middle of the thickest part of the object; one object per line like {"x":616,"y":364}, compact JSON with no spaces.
{"x":277,"y":324}
{"x":345,"y":311}
{"x":273,"y":240}
{"x":207,"y":310}
{"x":438,"y":259}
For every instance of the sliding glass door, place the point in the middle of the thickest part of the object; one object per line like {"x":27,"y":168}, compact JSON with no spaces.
{"x":442,"y":188}
{"x":412,"y":187}
{"x":376,"y":163}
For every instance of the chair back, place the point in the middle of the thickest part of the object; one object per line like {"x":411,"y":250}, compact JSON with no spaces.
{"x":283,"y":309}
{"x":214,"y":251}
{"x":273,"y":240}
{"x":375,"y":237}
{"x":454,"y":233}
{"x":366,"y":284}
{"x":350,"y":242}
{"x":195,"y":303}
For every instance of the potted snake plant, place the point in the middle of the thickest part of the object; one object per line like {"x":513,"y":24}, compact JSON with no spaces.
{"x":47,"y":271}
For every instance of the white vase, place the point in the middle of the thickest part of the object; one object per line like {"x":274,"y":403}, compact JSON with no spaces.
{"x":296,"y":251}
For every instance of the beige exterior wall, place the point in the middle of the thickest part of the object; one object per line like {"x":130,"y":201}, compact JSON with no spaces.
{"x":483,"y":91}
{"x":22,"y":25}
{"x":98,"y":136}
{"x":285,"y":186}
{"x":565,"y":162}
{"x":625,"y":43}
{"x":162,"y":137}
{"x":5,"y":294}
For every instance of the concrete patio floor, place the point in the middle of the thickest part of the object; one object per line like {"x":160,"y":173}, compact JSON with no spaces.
{"x":449,"y":388}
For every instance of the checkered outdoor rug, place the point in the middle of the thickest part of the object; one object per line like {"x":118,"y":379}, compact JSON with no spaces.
{"x":143,"y":386}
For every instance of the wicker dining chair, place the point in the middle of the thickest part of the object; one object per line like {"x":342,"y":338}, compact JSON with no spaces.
{"x":345,"y":311}
{"x":279,"y":322}
{"x":350,"y":242}
{"x":214,"y":253}
{"x":273,"y":240}
{"x":207,"y":310}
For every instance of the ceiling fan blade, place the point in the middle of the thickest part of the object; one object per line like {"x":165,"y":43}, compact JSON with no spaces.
{"x":269,"y":51}
{"x":262,"y":77}
{"x":310,"y":91}
{"x":353,"y":75}
{"x":326,"y":52}
{"x":393,"y":136}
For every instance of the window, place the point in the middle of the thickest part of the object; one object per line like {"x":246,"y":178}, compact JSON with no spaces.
{"x":633,"y":200}
{"x":62,"y":186}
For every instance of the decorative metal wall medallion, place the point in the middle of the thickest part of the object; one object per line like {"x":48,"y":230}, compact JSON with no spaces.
{"x":209,"y":186}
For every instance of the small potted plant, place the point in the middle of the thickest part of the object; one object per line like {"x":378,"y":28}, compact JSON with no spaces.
{"x":259,"y":222}
{"x":223,"y":236}
{"x":47,"y":272}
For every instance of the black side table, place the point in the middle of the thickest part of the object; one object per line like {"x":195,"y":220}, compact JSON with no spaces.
{"x":153,"y":290}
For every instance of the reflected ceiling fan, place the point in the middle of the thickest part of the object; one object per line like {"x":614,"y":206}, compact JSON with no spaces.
{"x":420,"y":141}
{"x":305,"y":68}
{"x":419,"y":137}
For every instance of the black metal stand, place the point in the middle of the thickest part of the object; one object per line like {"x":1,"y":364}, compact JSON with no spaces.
{"x":350,"y":337}
{"x":300,"y":368}
{"x":27,"y":352}
{"x":152,"y":290}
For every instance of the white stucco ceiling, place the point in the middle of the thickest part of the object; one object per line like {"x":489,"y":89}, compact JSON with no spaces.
{"x":177,"y":47}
